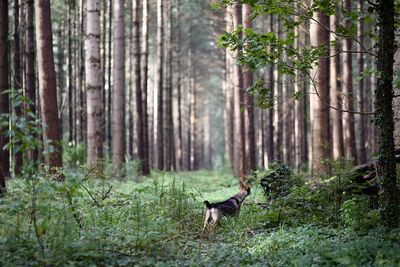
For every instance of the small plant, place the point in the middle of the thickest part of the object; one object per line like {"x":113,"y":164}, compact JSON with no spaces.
{"x":277,"y":181}
{"x":357,"y":215}
{"x":24,"y":132}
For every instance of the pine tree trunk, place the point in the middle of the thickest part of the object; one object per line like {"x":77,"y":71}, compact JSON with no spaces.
{"x":320,"y":134}
{"x":389,"y":200}
{"x":178,"y":85}
{"x":335,"y":96}
{"x":118,"y":96}
{"x":17,"y":77}
{"x":109,"y":75}
{"x":4,"y":99}
{"x":70,"y":88}
{"x":145,"y":69}
{"x":228,"y":90}
{"x":363,"y":120}
{"x":248,"y":82}
{"x":137,"y":80}
{"x":30,"y":86}
{"x":47,"y":85}
{"x":168,"y":90}
{"x":93,"y":83}
{"x":238,"y":86}
{"x":159,"y":86}
{"x":348,"y":117}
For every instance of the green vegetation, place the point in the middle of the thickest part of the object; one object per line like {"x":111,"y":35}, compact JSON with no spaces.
{"x":91,"y":219}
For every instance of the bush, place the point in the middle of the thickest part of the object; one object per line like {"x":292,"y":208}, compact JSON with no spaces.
{"x":357,"y":215}
{"x":277,"y":181}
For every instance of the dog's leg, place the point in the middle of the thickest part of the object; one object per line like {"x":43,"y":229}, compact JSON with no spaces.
{"x":208,"y":213}
{"x":216,"y":216}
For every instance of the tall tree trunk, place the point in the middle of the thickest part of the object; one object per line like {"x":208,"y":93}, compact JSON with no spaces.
{"x":93,"y":83}
{"x":137,"y":80}
{"x":228,"y":92}
{"x":248,"y":82}
{"x":270,"y":115}
{"x":363,"y":120}
{"x":30,"y":86}
{"x":178,"y":85}
{"x":109,"y":75}
{"x":70,"y":88}
{"x":238,"y":86}
{"x":4,"y":99}
{"x":17,"y":76}
{"x":320,"y":134}
{"x":82,"y":77}
{"x":159,"y":85}
{"x":145,"y":70}
{"x":47,"y":84}
{"x":335,"y":96}
{"x":168,"y":88}
{"x":389,"y":200}
{"x":118,"y":96}
{"x":348,"y":117}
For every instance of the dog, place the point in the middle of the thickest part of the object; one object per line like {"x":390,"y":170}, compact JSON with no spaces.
{"x":229,"y":207}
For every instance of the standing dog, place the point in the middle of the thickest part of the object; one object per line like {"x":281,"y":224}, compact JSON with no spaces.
{"x":229,"y":207}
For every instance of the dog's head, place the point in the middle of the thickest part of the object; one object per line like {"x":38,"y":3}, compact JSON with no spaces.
{"x":244,"y":187}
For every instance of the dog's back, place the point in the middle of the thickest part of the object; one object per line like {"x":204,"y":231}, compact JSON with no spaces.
{"x":229,"y":207}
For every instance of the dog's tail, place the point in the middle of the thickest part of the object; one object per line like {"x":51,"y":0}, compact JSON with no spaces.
{"x":208,"y":204}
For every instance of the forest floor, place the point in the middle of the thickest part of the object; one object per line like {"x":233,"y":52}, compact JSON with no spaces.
{"x":157,"y":221}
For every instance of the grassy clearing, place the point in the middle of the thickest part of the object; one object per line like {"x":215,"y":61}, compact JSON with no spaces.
{"x":158,"y":221}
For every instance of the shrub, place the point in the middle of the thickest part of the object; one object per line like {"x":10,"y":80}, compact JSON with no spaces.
{"x":277,"y":181}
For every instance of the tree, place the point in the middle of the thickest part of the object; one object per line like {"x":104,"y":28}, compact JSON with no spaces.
{"x":145,"y":58}
{"x":137,"y":81}
{"x":389,"y":201}
{"x":118,"y":96}
{"x":17,"y":76}
{"x":335,"y":95}
{"x":30,"y":86}
{"x":320,"y":134}
{"x":249,"y":100}
{"x":238,"y":118}
{"x":4,"y":86}
{"x":159,"y":86}
{"x":47,"y":85}
{"x":71,"y":7}
{"x":93,"y":83}
{"x":228,"y":92}
{"x":348,"y":117}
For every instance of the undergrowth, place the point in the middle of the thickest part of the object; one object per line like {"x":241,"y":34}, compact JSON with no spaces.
{"x":94,"y":220}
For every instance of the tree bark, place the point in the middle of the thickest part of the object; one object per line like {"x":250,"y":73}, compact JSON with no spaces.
{"x":348,"y":117}
{"x":249,"y":100}
{"x":159,"y":85}
{"x":70,"y":88}
{"x":179,"y":87}
{"x":238,"y":87}
{"x":335,"y":96}
{"x":17,"y":77}
{"x":363,"y":119}
{"x":30,"y":86}
{"x":93,"y":83}
{"x":320,"y":134}
{"x":389,"y":201}
{"x":145,"y":56}
{"x":47,"y":85}
{"x":4,"y":98}
{"x":137,"y":81}
{"x":118,"y":96}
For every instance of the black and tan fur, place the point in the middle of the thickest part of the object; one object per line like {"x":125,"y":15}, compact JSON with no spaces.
{"x":229,"y":207}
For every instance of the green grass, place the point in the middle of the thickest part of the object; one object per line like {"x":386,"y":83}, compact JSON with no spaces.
{"x":157,"y":222}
